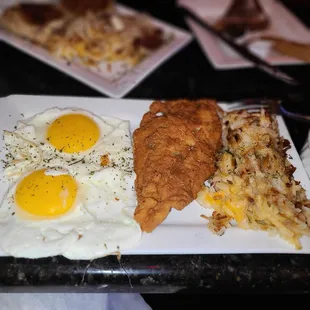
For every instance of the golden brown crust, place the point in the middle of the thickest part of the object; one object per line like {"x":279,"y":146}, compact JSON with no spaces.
{"x":174,"y":154}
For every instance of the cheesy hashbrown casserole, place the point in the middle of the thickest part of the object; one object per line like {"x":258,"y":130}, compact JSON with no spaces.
{"x":254,"y":186}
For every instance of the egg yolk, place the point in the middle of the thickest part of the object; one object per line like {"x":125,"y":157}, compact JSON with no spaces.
{"x":73,"y":133}
{"x":46,"y":195}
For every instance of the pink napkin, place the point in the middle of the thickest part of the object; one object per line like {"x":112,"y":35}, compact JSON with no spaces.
{"x":208,"y":9}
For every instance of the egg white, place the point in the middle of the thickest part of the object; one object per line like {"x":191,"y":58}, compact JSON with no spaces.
{"x":101,"y":220}
{"x":97,"y":225}
{"x":29,"y":138}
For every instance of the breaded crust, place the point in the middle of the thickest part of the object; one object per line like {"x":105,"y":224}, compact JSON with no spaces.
{"x":174,"y":154}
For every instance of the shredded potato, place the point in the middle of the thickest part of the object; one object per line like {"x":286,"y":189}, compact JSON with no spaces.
{"x":93,"y":38}
{"x":254,"y":187}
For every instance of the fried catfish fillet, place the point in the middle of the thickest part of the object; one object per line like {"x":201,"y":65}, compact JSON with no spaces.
{"x":174,"y":154}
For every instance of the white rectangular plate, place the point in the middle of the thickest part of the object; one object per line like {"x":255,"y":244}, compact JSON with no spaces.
{"x":183,"y":232}
{"x":284,"y":24}
{"x":114,"y":81}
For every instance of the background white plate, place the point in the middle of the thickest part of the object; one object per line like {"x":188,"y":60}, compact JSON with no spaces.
{"x":104,"y":81}
{"x":283,"y":24}
{"x":183,"y":232}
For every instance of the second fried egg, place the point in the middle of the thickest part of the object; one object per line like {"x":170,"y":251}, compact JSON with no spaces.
{"x":48,"y":212}
{"x":71,"y":186}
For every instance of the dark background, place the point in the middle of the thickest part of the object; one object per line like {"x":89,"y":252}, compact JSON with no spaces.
{"x":188,"y":74}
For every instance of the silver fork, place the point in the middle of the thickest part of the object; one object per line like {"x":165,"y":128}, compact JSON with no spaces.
{"x":254,"y":105}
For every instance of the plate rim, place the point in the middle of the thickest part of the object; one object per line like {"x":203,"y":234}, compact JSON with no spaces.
{"x":275,"y":245}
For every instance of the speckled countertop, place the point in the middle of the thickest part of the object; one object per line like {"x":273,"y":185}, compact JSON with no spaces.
{"x":160,"y":274}
{"x":187,"y":74}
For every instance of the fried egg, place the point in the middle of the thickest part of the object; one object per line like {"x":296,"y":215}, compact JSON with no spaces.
{"x":72,"y":139}
{"x":71,"y":187}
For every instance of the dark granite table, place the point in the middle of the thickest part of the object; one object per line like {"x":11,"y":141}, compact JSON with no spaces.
{"x":187,"y":74}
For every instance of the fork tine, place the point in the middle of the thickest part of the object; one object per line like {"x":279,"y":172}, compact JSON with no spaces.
{"x":271,"y":106}
{"x":248,"y":107}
